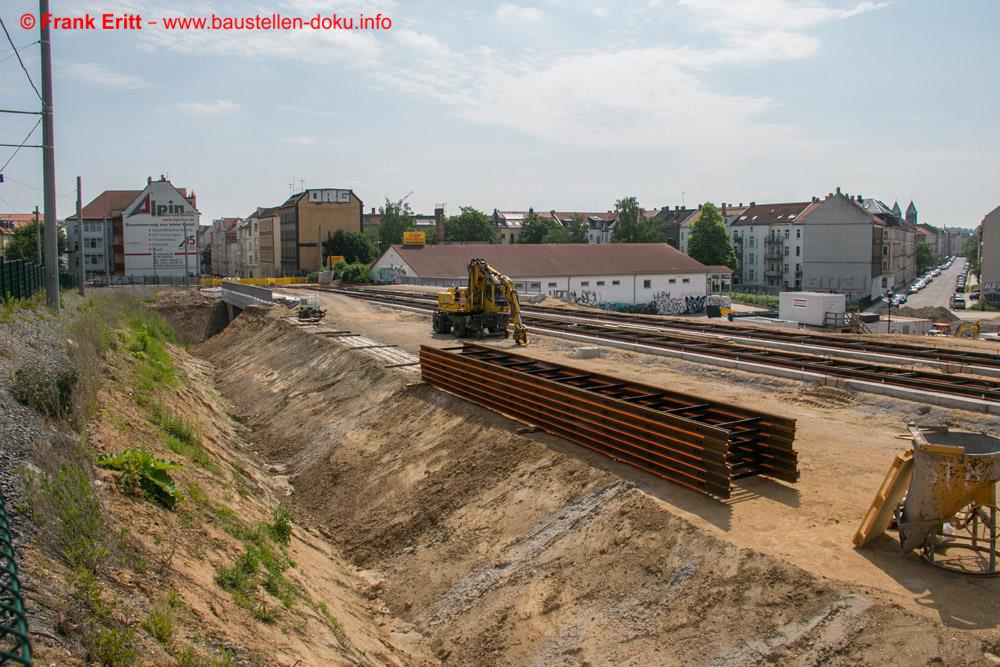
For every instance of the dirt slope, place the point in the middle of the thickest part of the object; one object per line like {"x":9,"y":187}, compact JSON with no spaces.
{"x":506,"y":549}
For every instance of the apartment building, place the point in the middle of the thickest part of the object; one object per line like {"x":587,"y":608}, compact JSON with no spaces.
{"x":842,"y":249}
{"x":899,"y":244}
{"x":769,"y":240}
{"x":225,"y":247}
{"x":730,"y":213}
{"x":989,"y":256}
{"x":309,"y":218}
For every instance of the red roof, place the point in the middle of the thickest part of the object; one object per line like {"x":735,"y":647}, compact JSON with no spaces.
{"x":11,"y":221}
{"x":550,"y":259}
{"x":769,"y":214}
{"x":110,"y":203}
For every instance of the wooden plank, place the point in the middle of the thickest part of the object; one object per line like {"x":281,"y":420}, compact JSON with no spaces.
{"x":879,"y":515}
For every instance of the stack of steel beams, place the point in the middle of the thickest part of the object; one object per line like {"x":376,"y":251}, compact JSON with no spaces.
{"x":699,"y":443}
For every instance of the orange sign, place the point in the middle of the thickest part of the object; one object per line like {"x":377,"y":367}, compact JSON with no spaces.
{"x":414,"y":238}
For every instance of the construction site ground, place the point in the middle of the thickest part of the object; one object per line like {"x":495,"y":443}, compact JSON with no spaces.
{"x":513,"y":548}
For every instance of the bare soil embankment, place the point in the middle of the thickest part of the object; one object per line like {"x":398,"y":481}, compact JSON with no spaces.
{"x":506,"y":549}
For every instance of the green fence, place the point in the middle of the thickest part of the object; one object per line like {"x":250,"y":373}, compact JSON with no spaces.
{"x":15,"y":649}
{"x":21,"y":279}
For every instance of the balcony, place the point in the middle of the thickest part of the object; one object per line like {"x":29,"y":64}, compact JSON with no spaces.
{"x":774,"y":254}
{"x":773,"y":273}
{"x":774,"y":240}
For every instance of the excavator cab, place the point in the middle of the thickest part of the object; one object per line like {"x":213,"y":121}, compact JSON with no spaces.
{"x":486,"y":306}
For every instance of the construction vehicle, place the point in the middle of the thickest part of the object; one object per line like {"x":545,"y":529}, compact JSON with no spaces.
{"x":309,"y":310}
{"x":969,"y":330}
{"x":484,"y":307}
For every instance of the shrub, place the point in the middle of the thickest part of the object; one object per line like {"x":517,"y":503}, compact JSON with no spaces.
{"x":144,"y":475}
{"x":281,"y":524}
{"x":356,"y":273}
{"x":69,"y":515}
{"x":50,"y":392}
{"x":338,"y":269}
{"x":160,"y":623}
{"x":113,"y":647}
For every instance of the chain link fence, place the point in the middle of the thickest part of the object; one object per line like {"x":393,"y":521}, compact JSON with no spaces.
{"x":15,"y":648}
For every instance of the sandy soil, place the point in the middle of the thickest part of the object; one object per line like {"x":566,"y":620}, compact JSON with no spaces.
{"x":846,"y":442}
{"x":513,"y":549}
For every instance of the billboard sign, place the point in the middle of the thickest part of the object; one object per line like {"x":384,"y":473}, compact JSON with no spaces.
{"x":160,"y":228}
{"x":414,"y":238}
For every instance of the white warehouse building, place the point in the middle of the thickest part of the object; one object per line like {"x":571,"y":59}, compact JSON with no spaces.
{"x":601,"y":275}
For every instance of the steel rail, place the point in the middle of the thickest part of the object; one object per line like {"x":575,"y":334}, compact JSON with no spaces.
{"x":918,"y":381}
{"x":695,"y":442}
{"x":911,"y":352}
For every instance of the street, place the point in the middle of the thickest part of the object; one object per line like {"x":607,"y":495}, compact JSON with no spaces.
{"x":939,"y":292}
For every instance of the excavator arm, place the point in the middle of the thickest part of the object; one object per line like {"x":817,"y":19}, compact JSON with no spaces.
{"x":482,"y":276}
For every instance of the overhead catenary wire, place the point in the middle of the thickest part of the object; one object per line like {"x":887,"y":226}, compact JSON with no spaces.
{"x":22,"y":145}
{"x":18,"y":54}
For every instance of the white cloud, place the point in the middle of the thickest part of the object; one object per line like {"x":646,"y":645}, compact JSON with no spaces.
{"x":300,"y":141}
{"x":103,"y":76}
{"x":424,"y":43}
{"x":291,"y":108}
{"x":518,"y":14}
{"x":207,"y":108}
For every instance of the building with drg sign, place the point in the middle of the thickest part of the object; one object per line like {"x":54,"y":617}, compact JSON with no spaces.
{"x":309,"y":218}
{"x":159,"y":232}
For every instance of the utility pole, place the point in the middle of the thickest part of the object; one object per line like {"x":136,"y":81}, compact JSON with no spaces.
{"x":186,"y":270}
{"x":79,"y":222}
{"x":38,"y":238}
{"x":49,"y":165}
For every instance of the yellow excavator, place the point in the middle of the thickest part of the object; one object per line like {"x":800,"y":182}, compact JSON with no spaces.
{"x":485,"y":307}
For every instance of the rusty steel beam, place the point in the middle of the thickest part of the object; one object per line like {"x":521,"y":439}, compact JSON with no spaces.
{"x":695,"y":442}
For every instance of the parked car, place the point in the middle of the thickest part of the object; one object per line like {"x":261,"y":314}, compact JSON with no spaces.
{"x":913,"y":290}
{"x":958,"y":302}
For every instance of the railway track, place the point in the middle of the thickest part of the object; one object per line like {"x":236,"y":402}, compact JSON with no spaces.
{"x":978,"y":363}
{"x":976,"y":393}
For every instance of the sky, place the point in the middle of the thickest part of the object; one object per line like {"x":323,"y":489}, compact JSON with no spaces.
{"x":551,"y":104}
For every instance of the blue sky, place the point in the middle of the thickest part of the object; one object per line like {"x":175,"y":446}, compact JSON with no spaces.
{"x":552,"y":104}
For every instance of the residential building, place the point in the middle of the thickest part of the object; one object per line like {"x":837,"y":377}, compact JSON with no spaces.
{"x":600,"y":226}
{"x":158,"y":230}
{"x":309,"y":218}
{"x":508,"y":225}
{"x":123,"y":229}
{"x":842,"y":249}
{"x":670,"y":221}
{"x":248,"y":241}
{"x":597,"y":274}
{"x":911,"y":214}
{"x":225,"y":247}
{"x":989,"y":257}
{"x":769,"y":240}
{"x":268,"y":243}
{"x":12,"y":221}
{"x":899,"y":244}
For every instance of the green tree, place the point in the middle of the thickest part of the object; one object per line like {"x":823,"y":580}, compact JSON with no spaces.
{"x":971,"y":249}
{"x":397,"y":217}
{"x":22,"y":244}
{"x":709,"y":242}
{"x":576,"y":230}
{"x":469,"y":226}
{"x":534,"y":228}
{"x":925,"y":256}
{"x":556,"y":234}
{"x":633,"y":226}
{"x":353,"y":246}
{"x":206,"y":259}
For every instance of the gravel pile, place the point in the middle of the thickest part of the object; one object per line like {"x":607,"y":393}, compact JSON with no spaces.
{"x":33,"y":339}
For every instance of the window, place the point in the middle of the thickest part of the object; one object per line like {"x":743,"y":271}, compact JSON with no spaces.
{"x":553,"y":285}
{"x":752,"y":259}
{"x":616,"y":282}
{"x":798,"y":250}
{"x":600,"y":283}
{"x":672,"y":281}
{"x":685,"y":280}
{"x":787,"y":232}
{"x":787,"y":250}
{"x":647,"y":284}
{"x":798,"y":233}
{"x":585,"y":283}
{"x":786,"y":268}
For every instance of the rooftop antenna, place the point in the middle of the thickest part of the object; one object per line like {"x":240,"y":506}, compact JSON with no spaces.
{"x":291,"y":187}
{"x":683,"y":205}
{"x":302,"y":185}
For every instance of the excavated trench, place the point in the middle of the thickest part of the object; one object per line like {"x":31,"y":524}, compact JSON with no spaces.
{"x":503,"y":548}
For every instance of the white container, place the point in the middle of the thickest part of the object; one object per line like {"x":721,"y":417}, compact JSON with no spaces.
{"x":810,"y":307}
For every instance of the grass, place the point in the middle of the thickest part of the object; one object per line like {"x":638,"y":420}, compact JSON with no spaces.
{"x":181,"y":437}
{"x":114,"y":647}
{"x":188,"y":658}
{"x":49,"y":392}
{"x":260,"y":568}
{"x":748,"y":299}
{"x":335,"y":625}
{"x":161,"y":622}
{"x":10,"y":307}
